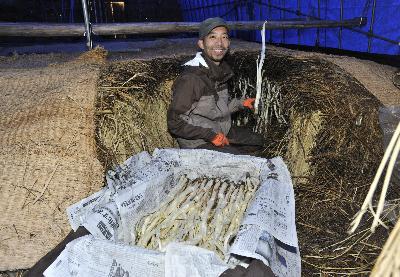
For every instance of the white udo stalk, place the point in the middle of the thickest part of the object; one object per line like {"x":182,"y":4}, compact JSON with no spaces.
{"x":227,"y":214}
{"x":161,"y":216}
{"x":183,"y":181}
{"x":219,"y":220}
{"x":233,"y":215}
{"x":170,"y":220}
{"x":220,"y":204}
{"x":190,"y":212}
{"x":260,"y":63}
{"x":205,"y":215}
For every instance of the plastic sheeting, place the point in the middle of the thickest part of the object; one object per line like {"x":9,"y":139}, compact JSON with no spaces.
{"x":382,"y":21}
{"x":389,"y":118}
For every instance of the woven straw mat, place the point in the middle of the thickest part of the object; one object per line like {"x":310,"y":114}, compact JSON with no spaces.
{"x":47,"y":155}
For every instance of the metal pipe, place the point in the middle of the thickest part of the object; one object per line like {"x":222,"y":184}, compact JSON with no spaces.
{"x":371,"y":27}
{"x":270,"y":16}
{"x":203,"y":9}
{"x":191,"y":10}
{"x":260,"y":16}
{"x":319,"y":16}
{"x":100,"y":11}
{"x":226,"y":4}
{"x":250,"y":12}
{"x":88,"y":31}
{"x":94,"y":6}
{"x":341,"y":28}
{"x":298,"y":13}
{"x":284,"y":16}
{"x":237,"y":3}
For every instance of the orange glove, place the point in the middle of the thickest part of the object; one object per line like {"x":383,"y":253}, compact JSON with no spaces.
{"x":248,"y":103}
{"x":220,"y":140}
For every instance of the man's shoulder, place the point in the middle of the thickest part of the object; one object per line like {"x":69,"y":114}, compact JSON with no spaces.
{"x":193,"y":73}
{"x":192,"y":77}
{"x":193,"y":70}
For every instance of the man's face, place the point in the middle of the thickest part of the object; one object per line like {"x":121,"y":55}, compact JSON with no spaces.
{"x":216,"y":44}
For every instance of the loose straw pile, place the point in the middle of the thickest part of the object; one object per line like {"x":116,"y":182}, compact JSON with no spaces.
{"x":391,"y":153}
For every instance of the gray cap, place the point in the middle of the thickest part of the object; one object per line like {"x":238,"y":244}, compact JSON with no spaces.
{"x":209,"y":24}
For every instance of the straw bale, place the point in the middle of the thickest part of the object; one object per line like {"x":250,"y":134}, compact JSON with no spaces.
{"x":345,"y":152}
{"x":332,"y":143}
{"x":305,"y":129}
{"x":47,"y":153}
{"x":375,"y":77}
{"x":131,"y":108}
{"x":330,"y":139}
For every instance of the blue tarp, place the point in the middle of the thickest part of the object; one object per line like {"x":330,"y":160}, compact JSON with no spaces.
{"x":383,"y":20}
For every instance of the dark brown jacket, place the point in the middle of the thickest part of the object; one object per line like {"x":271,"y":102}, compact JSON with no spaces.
{"x":200,"y":106}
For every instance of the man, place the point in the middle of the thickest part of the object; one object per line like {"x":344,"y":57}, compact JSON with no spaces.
{"x":200,"y":112}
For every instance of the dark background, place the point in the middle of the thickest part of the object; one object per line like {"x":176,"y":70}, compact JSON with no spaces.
{"x":101,"y":11}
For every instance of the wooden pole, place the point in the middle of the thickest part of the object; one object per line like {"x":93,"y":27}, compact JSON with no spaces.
{"x":47,"y":29}
{"x":41,"y":29}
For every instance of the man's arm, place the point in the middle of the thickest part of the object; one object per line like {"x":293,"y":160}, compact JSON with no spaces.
{"x":240,"y":103}
{"x":235,"y":104}
{"x":186,"y":91}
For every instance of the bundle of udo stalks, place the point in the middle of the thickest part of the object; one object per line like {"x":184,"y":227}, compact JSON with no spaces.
{"x":177,"y":197}
{"x":205,"y":212}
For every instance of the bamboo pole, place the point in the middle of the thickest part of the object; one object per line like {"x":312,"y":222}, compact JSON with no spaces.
{"x":50,"y":30}
{"x":178,"y":27}
{"x":34,"y":29}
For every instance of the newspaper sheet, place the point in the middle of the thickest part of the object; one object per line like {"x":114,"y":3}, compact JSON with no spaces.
{"x":144,"y":182}
{"x":252,"y":241}
{"x":87,"y":256}
{"x":187,"y":260}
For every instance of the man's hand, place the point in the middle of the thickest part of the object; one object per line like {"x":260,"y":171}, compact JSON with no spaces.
{"x":248,"y":103}
{"x":220,"y":140}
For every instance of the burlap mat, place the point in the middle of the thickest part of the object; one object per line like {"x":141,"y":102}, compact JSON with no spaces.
{"x":47,"y":154}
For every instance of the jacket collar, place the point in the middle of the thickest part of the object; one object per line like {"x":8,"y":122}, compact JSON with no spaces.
{"x":197,"y":61}
{"x":219,"y":73}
